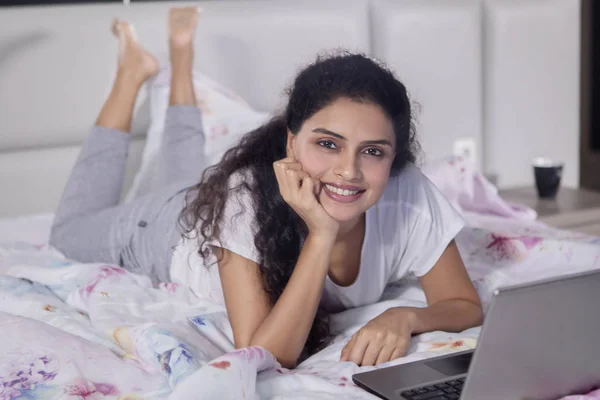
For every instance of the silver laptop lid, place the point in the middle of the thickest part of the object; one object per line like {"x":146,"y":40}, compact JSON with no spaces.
{"x":553,"y":350}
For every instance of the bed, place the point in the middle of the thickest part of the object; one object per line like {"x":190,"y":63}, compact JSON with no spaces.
{"x":93,"y":331}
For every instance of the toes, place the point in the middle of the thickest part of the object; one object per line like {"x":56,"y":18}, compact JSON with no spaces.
{"x":114,"y":26}
{"x":130,"y":31}
{"x":127,"y":29}
{"x":123,"y":30}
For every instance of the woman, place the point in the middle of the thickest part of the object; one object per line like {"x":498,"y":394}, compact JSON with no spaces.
{"x":314,"y":212}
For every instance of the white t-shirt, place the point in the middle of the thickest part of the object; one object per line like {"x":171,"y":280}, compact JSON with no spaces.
{"x":407,"y":231}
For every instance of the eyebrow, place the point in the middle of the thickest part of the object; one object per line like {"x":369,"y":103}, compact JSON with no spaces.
{"x":337,"y":135}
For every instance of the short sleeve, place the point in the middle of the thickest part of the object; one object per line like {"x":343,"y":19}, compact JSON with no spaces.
{"x":427,"y":222}
{"x":237,"y":226}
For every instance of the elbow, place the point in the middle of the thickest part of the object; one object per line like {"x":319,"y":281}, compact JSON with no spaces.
{"x":478,"y":311}
{"x":475,"y":314}
{"x":288,"y":364}
{"x":467,"y":314}
{"x":285,"y":359}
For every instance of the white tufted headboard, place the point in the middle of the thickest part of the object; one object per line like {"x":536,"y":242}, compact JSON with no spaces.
{"x":435,"y":48}
{"x":468,"y":63}
{"x":531,"y":86}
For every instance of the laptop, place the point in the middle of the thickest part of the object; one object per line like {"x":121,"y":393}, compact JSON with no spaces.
{"x":539,"y":341}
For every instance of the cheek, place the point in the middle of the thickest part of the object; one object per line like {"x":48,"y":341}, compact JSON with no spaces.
{"x":377,"y":175}
{"x":313,"y":161}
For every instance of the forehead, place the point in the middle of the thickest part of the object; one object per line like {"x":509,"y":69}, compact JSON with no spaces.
{"x":353,"y":120}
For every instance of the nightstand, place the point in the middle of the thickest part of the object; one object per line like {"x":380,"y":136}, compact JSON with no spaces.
{"x":573,"y":209}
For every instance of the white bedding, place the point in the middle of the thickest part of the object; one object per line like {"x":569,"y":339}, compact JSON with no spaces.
{"x":95,"y":331}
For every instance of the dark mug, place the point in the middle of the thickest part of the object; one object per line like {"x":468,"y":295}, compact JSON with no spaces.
{"x":547,"y":177}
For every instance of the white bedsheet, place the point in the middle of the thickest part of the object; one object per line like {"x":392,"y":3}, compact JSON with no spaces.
{"x":95,"y":331}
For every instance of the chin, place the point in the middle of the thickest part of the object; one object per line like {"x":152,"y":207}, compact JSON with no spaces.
{"x":343,"y":214}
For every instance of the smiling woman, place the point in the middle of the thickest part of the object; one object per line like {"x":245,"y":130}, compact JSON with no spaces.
{"x":314,"y":212}
{"x":329,"y":208}
{"x":349,"y":147}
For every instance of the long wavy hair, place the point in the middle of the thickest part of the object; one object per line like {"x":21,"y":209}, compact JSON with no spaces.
{"x":279,"y":231}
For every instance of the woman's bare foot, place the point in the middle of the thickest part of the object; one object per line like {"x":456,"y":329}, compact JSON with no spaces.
{"x":182,"y":26}
{"x":134,"y":60}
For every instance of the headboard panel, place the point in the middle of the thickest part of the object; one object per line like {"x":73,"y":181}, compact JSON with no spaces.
{"x":501,"y":72}
{"x":57,"y":68}
{"x":32,"y":180}
{"x":435,"y":48}
{"x":265,"y":51}
{"x":57,"y":64}
{"x":531,"y":87}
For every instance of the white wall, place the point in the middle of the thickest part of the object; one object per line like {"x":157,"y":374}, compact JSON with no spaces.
{"x":538,"y":39}
{"x":434,"y":47}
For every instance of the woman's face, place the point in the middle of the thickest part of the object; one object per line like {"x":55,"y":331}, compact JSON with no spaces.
{"x":349,"y":147}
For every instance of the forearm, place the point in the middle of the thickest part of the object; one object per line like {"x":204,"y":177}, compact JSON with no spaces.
{"x":285,"y":330}
{"x":449,"y":315}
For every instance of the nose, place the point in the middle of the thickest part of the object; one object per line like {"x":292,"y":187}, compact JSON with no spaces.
{"x":348,"y":168}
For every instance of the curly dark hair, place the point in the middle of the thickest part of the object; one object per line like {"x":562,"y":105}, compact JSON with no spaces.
{"x":279,"y":231}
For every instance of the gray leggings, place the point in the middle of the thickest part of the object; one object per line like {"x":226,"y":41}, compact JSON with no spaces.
{"x":91,"y":226}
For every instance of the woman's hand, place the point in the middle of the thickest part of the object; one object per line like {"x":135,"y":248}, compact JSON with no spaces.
{"x":300,"y":191}
{"x":383,"y":339}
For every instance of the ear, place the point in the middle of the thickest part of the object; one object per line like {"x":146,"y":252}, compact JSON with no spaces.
{"x":291,"y":140}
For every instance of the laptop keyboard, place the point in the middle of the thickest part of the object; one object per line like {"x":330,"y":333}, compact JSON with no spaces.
{"x":448,"y":390}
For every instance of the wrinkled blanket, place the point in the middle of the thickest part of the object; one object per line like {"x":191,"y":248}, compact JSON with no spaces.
{"x":95,"y":331}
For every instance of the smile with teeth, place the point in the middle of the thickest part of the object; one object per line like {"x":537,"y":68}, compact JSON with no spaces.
{"x":342,"y":192}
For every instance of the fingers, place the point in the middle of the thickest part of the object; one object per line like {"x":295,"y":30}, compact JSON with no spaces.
{"x":283,"y":181}
{"x":282,"y":166}
{"x":346,"y":350}
{"x":289,"y":177}
{"x":397,"y":353}
{"x":373,"y":350}
{"x":368,"y":349}
{"x":300,"y":191}
{"x":344,"y":355}
{"x":307,"y":191}
{"x":357,"y":351}
{"x":385,"y":355}
{"x":295,"y":180}
{"x":289,"y":164}
{"x":286,"y":164}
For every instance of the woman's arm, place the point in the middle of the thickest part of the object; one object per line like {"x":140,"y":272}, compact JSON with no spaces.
{"x":453,"y":302}
{"x":453,"y":305}
{"x":283,"y":328}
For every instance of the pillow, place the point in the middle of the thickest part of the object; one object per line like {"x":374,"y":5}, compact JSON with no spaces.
{"x":226,"y":117}
{"x":469,"y":190}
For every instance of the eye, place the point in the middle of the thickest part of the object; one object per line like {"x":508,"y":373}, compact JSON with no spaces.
{"x":374,"y":152}
{"x":328,"y":144}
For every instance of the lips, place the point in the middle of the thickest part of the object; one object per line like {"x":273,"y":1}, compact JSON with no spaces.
{"x":343,"y":193}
